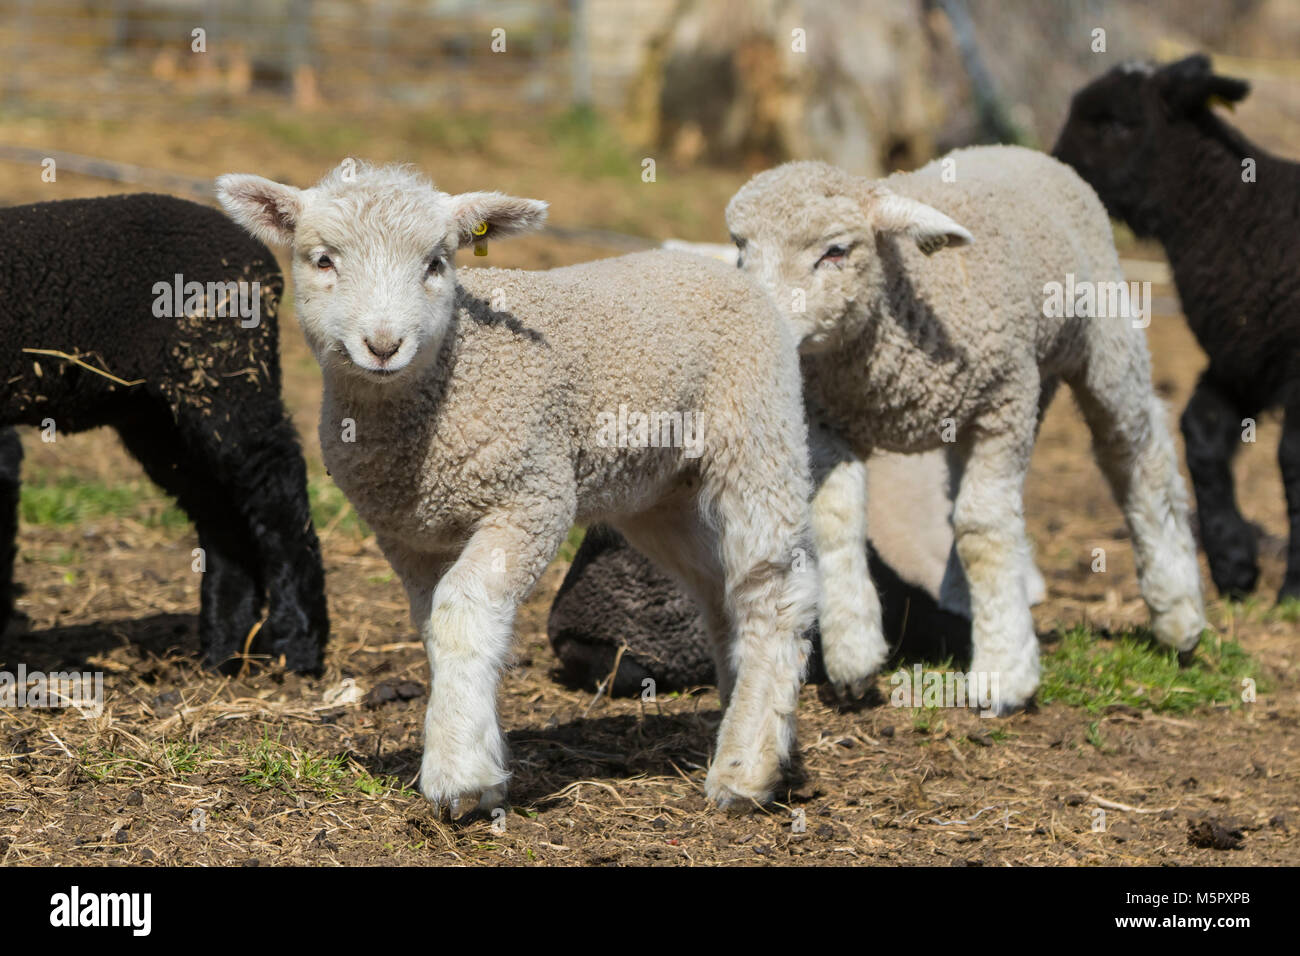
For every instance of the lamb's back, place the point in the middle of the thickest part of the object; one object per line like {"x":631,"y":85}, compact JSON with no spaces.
{"x":649,"y":329}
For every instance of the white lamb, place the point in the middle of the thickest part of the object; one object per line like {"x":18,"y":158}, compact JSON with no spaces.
{"x":479,"y":405}
{"x":908,"y":353}
{"x":910,"y":515}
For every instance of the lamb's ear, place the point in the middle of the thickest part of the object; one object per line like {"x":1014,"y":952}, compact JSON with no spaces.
{"x":1191,"y":83}
{"x":267,"y":209}
{"x":479,"y":217}
{"x":930,"y":229}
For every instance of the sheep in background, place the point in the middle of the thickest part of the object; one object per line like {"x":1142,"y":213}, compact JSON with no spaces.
{"x":904,"y":352}
{"x":202,"y":411}
{"x":1228,"y":216}
{"x":477,"y":405}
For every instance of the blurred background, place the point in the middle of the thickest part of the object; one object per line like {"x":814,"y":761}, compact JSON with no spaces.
{"x":871,"y":85}
{"x":872,"y":82}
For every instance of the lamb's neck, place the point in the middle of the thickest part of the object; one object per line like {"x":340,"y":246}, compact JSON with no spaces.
{"x":357,"y":397}
{"x":1201,"y":184}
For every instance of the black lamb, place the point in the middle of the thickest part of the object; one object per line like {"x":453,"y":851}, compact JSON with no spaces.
{"x":1228,"y":214}
{"x":190,"y":383}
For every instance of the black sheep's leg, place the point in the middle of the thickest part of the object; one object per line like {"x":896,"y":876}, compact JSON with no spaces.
{"x":270,"y":479}
{"x":11,"y":460}
{"x":230,"y":597}
{"x":230,"y":594}
{"x":1212,"y":431}
{"x":1288,"y":454}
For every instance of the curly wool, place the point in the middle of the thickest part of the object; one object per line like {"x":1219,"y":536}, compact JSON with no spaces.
{"x":466,"y":416}
{"x":207,"y":423}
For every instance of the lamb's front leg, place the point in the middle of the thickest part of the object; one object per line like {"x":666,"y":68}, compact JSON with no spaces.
{"x":853,"y":639}
{"x":989,"y":524}
{"x":467,"y":623}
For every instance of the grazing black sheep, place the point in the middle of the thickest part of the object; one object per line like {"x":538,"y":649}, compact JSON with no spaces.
{"x":192,"y":386}
{"x":1228,"y":215}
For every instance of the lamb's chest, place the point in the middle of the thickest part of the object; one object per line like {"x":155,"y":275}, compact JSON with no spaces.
{"x":395,"y":489}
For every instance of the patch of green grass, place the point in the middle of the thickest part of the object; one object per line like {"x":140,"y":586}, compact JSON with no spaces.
{"x":330,"y":508}
{"x":334,"y":139}
{"x":330,"y":137}
{"x":381,"y":786}
{"x":276,"y":766}
{"x":455,"y":132}
{"x":273,"y":765}
{"x":1257,"y":609}
{"x":175,"y":759}
{"x":572,"y":543}
{"x":69,"y":500}
{"x":589,"y":146}
{"x":1085,"y":671}
{"x":184,"y":758}
{"x":1094,"y":736}
{"x":1288,"y":609}
{"x":108,"y":766}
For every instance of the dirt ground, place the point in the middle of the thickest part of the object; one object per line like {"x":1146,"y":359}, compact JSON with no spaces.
{"x":184,"y":767}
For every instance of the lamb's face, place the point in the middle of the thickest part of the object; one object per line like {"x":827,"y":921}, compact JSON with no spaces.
{"x":374,"y":279}
{"x":373,"y":250}
{"x":807,"y":232}
{"x":1109,"y":135}
{"x":1127,"y":125}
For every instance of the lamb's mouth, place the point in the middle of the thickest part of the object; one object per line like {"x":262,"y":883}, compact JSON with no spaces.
{"x":380,"y":374}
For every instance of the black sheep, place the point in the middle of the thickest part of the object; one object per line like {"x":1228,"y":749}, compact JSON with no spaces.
{"x":1228,"y":215}
{"x":89,"y":278}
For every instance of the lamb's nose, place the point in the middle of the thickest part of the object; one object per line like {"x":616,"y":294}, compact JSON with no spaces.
{"x":383,"y":348}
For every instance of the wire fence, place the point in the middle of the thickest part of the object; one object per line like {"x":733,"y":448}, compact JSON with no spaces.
{"x":127,"y":57}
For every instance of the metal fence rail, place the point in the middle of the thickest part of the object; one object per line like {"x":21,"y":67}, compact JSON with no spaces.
{"x":124,"y":57}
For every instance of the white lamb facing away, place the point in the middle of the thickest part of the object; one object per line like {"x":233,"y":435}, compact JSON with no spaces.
{"x":474,"y":401}
{"x":902,"y":352}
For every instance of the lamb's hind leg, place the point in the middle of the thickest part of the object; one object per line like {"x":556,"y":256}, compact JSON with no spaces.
{"x":466,"y":619}
{"x":989,"y":528}
{"x":674,"y":537}
{"x":269,"y":478}
{"x":1211,"y":425}
{"x":1136,"y":453}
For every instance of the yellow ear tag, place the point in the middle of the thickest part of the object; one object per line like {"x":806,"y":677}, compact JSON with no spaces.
{"x":1217,"y":100}
{"x":480,"y":246}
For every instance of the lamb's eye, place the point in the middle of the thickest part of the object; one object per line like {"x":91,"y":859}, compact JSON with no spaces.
{"x":436,"y":265}
{"x":833,"y":256}
{"x":324,"y":263}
